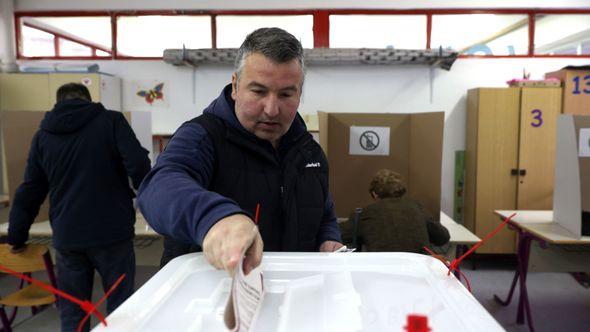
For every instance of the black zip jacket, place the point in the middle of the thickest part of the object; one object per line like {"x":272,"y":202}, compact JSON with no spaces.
{"x":82,"y":156}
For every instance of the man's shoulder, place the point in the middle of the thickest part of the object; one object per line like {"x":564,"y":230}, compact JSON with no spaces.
{"x":310,"y":144}
{"x":205,"y":120}
{"x":112,"y":115}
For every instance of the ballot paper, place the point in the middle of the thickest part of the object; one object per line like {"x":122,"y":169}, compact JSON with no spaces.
{"x":245,"y":299}
{"x":344,"y":249}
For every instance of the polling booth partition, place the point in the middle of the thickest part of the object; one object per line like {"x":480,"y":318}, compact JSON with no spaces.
{"x":359,"y":144}
{"x":572,"y":172}
{"x":17,"y":131}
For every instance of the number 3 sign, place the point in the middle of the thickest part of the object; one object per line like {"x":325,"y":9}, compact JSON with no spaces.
{"x":537,"y":118}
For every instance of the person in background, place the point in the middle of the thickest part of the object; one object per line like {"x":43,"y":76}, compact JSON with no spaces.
{"x":83,"y":155}
{"x":250,"y":151}
{"x":394,"y":222}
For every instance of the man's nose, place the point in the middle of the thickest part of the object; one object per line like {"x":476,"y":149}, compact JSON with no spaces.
{"x":271,"y":106}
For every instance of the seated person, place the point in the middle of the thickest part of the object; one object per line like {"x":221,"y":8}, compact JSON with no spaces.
{"x":394,"y":222}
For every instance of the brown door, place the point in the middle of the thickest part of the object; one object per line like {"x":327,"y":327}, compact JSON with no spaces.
{"x":497,"y":155}
{"x":540,"y":108}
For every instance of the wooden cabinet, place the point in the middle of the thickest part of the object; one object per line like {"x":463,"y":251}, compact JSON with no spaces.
{"x":510,"y":157}
{"x":36,"y":92}
{"x":24,"y":92}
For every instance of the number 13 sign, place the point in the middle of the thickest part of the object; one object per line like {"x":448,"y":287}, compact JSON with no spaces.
{"x":581,"y":85}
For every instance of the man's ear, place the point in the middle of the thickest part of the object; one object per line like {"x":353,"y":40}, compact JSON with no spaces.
{"x":234,"y":86}
{"x":374,"y":195}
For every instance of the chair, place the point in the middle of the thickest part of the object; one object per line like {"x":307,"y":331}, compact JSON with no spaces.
{"x":356,"y":241}
{"x":34,"y":258}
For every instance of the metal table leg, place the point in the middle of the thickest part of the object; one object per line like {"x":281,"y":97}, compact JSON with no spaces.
{"x":525,"y":240}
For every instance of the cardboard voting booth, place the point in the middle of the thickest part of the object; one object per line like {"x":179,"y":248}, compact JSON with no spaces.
{"x":307,"y":292}
{"x":572,"y":172}
{"x":359,"y":144}
{"x":17,"y":131}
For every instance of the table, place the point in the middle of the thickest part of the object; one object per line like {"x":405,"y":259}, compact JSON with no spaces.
{"x":460,"y":237}
{"x":532,"y":226}
{"x":4,"y":200}
{"x":366,"y":291}
{"x":43,"y":229}
{"x":147,"y":243}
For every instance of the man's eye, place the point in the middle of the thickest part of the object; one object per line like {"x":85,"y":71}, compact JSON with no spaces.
{"x":258,"y":92}
{"x":286,"y":95}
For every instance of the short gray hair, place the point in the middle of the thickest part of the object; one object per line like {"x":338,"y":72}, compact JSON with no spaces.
{"x":274,"y":43}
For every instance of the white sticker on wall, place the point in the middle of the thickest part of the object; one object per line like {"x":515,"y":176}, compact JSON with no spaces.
{"x":584,"y":150}
{"x":372,"y":141}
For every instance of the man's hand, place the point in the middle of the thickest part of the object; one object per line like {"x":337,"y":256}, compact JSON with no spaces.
{"x":229,"y":239}
{"x":330,"y":246}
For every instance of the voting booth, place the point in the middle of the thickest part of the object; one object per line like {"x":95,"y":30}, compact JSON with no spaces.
{"x":572,"y":172}
{"x":359,"y":144}
{"x":566,"y":250}
{"x":308,"y":292}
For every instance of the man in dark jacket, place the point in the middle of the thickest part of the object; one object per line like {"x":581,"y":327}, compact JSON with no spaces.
{"x":82,"y":156}
{"x":394,"y":222}
{"x":250,"y":151}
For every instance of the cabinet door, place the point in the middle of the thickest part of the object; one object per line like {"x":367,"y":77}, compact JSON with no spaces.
{"x":497,"y":155}
{"x":539,"y":108}
{"x":91,"y":81}
{"x":24,"y":92}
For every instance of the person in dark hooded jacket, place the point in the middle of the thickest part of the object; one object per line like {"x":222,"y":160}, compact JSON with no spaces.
{"x":247,"y":170}
{"x":83,"y":156}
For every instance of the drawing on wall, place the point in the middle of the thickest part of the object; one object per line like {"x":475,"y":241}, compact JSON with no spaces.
{"x":148,"y":93}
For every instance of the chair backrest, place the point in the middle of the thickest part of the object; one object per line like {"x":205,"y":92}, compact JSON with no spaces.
{"x":30,"y":260}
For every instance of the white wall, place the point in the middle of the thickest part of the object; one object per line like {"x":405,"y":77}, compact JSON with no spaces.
{"x":336,"y":89}
{"x":395,"y":89}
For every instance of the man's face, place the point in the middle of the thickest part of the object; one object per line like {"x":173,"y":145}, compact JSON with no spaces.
{"x":267,"y":96}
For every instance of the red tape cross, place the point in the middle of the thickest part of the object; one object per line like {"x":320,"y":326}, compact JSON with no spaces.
{"x":87,"y":306}
{"x":454,"y":265}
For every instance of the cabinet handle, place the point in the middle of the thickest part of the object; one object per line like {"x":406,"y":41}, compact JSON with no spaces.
{"x":514,"y":171}
{"x":522,"y":172}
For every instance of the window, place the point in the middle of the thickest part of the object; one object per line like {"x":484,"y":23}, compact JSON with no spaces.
{"x":378,"y":31}
{"x":481,"y":34}
{"x":66,"y":36}
{"x":146,"y":34}
{"x":232,"y":29}
{"x":68,"y":48}
{"x":562,"y":34}
{"x":37,"y":42}
{"x":149,"y":36}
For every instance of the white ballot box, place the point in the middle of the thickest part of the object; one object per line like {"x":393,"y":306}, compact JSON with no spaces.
{"x":308,"y":292}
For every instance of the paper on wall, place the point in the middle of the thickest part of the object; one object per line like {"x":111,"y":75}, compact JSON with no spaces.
{"x":245,"y":299}
{"x":584,"y":143}
{"x":369,"y":141}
